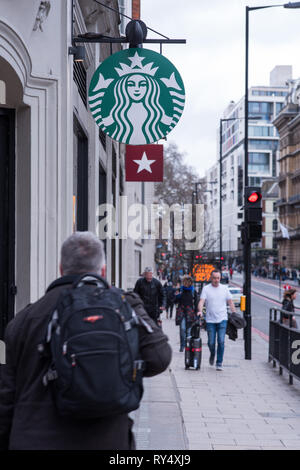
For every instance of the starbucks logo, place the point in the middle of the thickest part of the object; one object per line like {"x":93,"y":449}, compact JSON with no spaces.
{"x":136,"y":96}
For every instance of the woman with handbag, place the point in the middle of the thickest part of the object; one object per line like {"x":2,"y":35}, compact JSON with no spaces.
{"x":186,"y":312}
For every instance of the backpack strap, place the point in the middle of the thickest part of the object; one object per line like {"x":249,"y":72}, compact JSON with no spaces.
{"x":136,"y":303}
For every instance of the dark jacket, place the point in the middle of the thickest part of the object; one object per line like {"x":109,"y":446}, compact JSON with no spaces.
{"x":187,"y":305}
{"x":288,"y":305}
{"x":152,"y":295}
{"x":235,"y":322}
{"x":170,"y":294}
{"x":28,"y":417}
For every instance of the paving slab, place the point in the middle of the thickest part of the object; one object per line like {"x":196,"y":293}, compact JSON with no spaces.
{"x":246,"y":406}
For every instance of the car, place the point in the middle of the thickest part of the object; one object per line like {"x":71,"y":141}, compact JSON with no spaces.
{"x":236,"y":293}
{"x":225,"y":277}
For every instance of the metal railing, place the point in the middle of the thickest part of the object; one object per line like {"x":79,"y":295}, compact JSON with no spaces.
{"x":284,"y":342}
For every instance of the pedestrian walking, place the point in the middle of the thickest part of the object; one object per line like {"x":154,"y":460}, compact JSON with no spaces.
{"x":230,"y":272}
{"x":289,"y":296}
{"x":31,"y":417}
{"x":216,"y":296}
{"x":170,"y":298}
{"x":152,"y":294}
{"x":187,"y":302}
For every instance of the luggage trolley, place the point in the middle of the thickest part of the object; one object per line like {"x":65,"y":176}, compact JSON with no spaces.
{"x":193,"y":348}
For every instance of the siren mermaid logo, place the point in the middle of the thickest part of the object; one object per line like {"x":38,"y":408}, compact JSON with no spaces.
{"x":136,"y":96}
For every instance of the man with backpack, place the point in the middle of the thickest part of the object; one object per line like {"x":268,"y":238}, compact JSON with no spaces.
{"x":75,"y":360}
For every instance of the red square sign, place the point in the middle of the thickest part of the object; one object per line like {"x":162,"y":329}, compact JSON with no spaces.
{"x":144,"y":162}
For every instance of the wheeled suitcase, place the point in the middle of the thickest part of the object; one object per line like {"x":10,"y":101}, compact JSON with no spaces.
{"x":193,"y":348}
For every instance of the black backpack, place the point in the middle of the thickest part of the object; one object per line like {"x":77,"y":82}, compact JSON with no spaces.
{"x":93,"y":343}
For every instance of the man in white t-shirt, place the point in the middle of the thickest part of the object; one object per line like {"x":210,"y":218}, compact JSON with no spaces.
{"x":216,"y":296}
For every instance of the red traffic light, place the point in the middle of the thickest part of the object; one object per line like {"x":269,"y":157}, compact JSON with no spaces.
{"x":254,"y":197}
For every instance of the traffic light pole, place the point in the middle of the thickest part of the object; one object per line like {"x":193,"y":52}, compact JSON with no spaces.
{"x":247,"y":243}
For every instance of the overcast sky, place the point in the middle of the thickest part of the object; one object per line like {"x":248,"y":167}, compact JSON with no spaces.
{"x":213,"y":60}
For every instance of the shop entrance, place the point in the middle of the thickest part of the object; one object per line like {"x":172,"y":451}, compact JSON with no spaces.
{"x":7,"y":217}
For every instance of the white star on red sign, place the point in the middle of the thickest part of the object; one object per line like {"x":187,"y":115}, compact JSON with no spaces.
{"x":144,"y":163}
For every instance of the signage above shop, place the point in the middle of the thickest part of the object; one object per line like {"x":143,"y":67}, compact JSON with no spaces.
{"x":144,"y":162}
{"x":136,"y":96}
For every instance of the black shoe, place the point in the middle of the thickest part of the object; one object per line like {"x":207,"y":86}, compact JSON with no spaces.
{"x":181,"y":349}
{"x":211,"y":359}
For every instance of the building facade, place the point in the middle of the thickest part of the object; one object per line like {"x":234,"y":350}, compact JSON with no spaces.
{"x":265,"y":102}
{"x":56,"y":167}
{"x":288,"y":125}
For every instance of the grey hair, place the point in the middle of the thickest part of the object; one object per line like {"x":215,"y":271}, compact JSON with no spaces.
{"x":82,"y":252}
{"x":148,"y":269}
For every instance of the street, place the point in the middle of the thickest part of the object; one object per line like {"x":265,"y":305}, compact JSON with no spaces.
{"x":265,"y":294}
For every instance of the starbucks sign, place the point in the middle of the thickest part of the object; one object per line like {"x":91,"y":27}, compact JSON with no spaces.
{"x":136,"y":96}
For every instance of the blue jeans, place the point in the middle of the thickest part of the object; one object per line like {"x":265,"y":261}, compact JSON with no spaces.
{"x":219,"y":330}
{"x":183,"y":333}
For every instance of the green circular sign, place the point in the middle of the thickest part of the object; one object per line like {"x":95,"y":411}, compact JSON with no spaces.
{"x":136,"y":96}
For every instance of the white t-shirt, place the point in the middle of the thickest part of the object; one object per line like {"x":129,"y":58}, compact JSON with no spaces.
{"x":216,"y":302}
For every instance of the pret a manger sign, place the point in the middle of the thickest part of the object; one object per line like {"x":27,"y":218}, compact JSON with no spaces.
{"x":136,"y":96}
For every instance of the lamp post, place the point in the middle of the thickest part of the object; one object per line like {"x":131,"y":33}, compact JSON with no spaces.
{"x":247,"y":245}
{"x":220,"y":189}
{"x":220,"y":182}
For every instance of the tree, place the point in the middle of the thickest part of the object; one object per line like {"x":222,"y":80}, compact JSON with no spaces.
{"x":178,"y":187}
{"x":179,"y":178}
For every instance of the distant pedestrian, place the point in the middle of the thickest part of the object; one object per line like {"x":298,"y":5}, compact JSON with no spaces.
{"x":170,"y":298}
{"x":230,"y":272}
{"x":186,"y":312}
{"x":216,"y":296}
{"x":152,"y":294}
{"x":288,"y":305}
{"x":29,"y":414}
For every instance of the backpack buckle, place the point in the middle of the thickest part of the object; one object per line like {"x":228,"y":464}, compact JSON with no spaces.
{"x":49,"y":376}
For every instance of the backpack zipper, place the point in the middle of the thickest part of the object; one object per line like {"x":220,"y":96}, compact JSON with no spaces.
{"x":65,"y":344}
{"x":88,"y":353}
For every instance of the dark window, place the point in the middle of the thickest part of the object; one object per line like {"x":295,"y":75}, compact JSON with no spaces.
{"x":81,"y":177}
{"x":7,"y":217}
{"x":102,"y":193}
{"x":259,"y":162}
{"x":262,"y":108}
{"x":79,"y":76}
{"x":261,"y":144}
{"x":102,"y":137}
{"x":275,"y":225}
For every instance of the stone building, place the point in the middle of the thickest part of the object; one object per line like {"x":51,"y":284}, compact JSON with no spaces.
{"x":56,"y":167}
{"x":288,"y":125}
{"x":265,"y":102}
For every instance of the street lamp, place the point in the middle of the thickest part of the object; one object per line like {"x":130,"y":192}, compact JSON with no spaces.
{"x":220,"y":188}
{"x":220,"y":183}
{"x":247,"y":245}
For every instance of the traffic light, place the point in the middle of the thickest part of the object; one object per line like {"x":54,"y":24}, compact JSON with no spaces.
{"x":253,"y":214}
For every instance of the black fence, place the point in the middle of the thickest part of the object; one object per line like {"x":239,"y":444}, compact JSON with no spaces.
{"x":284,"y":342}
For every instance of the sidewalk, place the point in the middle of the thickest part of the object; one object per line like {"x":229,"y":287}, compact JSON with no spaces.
{"x":246,"y":406}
